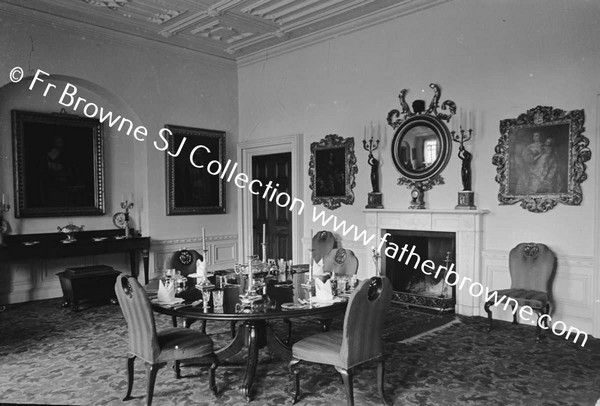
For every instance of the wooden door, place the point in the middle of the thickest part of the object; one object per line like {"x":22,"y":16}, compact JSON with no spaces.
{"x":276,"y":169}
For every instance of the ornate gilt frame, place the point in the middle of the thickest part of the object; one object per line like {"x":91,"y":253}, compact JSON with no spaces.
{"x":554,"y":168}
{"x":332,"y":170}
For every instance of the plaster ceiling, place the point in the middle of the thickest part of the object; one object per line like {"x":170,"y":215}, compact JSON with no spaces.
{"x":229,"y":29}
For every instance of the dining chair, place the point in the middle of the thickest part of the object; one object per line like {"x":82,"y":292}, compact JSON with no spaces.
{"x":322,"y":242}
{"x":359,"y":341}
{"x":157,"y":348}
{"x":184,"y":260}
{"x":532,"y":267}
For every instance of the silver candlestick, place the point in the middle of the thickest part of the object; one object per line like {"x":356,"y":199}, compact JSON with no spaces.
{"x":127,"y":205}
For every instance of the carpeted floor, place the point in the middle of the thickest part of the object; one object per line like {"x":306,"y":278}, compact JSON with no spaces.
{"x":50,"y":355}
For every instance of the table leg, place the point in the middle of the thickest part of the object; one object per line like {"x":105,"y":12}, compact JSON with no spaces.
{"x":133,"y":263}
{"x":276,"y":346}
{"x":252,"y":360}
{"x":145,"y":260}
{"x":234,"y":346}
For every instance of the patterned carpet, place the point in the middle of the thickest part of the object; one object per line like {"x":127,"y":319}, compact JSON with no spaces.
{"x":50,"y":355}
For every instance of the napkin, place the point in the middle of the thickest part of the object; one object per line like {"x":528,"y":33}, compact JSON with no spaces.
{"x":317,"y":267}
{"x":323,"y":291}
{"x":201,"y":268}
{"x":166,"y":294}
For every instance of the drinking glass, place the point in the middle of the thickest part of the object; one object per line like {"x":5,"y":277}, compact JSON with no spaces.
{"x":205,"y":298}
{"x":218,"y":298}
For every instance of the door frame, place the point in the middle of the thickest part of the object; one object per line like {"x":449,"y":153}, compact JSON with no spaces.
{"x":246,"y":151}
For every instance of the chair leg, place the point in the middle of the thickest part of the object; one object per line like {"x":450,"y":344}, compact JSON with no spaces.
{"x":174,"y":319}
{"x":288,"y":322}
{"x":204,"y":326}
{"x":545,"y":310}
{"x":486,"y":307}
{"x":347,"y":378}
{"x":233,"y":324}
{"x":211,"y":374}
{"x":152,"y":371}
{"x":177,"y":368}
{"x":130,"y":360}
{"x":296,"y":378}
{"x":381,"y":381}
{"x":514,"y":315}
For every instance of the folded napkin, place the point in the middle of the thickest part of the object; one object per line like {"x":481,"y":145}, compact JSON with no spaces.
{"x":317,"y":267}
{"x":323,"y":291}
{"x":201,"y":268}
{"x":166,"y":294}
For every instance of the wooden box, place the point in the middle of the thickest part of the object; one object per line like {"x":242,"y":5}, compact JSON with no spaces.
{"x":88,"y":283}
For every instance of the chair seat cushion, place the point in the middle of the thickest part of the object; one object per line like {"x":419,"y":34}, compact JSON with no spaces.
{"x":532,"y":298}
{"x":323,"y":348}
{"x":183,"y":343}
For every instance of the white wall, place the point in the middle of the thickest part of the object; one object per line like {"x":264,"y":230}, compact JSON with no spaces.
{"x":150,"y":84}
{"x":496,"y":58}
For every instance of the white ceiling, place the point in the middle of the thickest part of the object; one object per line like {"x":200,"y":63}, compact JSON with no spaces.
{"x":229,"y":29}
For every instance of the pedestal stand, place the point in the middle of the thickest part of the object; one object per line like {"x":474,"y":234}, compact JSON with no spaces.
{"x":466,"y":200}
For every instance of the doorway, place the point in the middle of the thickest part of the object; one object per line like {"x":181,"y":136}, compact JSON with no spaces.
{"x":273,"y":170}
{"x":249,"y":239}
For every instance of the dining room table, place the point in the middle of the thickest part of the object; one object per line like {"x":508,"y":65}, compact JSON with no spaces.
{"x":274,"y":300}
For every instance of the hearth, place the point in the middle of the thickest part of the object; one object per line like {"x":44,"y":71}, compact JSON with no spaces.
{"x":411,"y":285}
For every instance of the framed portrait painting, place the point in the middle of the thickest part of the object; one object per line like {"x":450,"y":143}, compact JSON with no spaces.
{"x":540,"y":158}
{"x":190,"y":189}
{"x":58,"y":165}
{"x":332,"y":171}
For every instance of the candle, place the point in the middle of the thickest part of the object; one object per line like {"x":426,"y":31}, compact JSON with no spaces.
{"x":264,"y":235}
{"x":131,"y":197}
{"x":378,"y":131}
{"x":365,"y":134}
{"x":203,"y":241}
{"x":3,"y":201}
{"x":122,"y":198}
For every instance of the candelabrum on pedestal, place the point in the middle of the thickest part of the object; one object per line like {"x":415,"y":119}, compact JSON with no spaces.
{"x":466,"y":197}
{"x":3,"y":223}
{"x":375,"y":197}
{"x":376,"y":256}
{"x":127,"y":205}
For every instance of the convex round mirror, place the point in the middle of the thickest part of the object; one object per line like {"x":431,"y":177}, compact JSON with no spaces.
{"x":421,"y":147}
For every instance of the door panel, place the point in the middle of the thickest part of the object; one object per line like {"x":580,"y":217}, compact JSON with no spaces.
{"x":275,"y":169}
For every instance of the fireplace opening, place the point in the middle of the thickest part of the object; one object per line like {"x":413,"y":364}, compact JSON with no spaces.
{"x":411,"y":285}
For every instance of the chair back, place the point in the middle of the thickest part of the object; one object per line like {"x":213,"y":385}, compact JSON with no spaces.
{"x":340,"y":261}
{"x":322,"y":243}
{"x":363,"y":321}
{"x":143,"y":341}
{"x":532,"y":267}
{"x":184,"y":260}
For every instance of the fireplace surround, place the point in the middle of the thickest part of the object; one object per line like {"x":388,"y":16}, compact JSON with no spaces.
{"x":468,"y":228}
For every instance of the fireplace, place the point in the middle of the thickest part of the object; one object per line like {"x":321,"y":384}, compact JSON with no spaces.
{"x":411,"y":285}
{"x":467,"y":225}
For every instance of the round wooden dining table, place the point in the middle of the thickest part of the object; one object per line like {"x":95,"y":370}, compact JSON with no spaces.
{"x":283,"y":301}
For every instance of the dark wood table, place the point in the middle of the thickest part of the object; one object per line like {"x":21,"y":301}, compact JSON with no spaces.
{"x":50,"y":245}
{"x":254,"y":328}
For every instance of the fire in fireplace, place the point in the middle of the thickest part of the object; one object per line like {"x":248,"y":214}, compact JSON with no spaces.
{"x":411,"y":285}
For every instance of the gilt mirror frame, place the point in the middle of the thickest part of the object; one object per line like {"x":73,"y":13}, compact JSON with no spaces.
{"x":425,"y":121}
{"x":332,"y":171}
{"x":540,"y":159}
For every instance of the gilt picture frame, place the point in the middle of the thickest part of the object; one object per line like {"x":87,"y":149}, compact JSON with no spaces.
{"x":540,"y":159}
{"x":192,"y":190}
{"x":58,"y":163}
{"x":332,"y":171}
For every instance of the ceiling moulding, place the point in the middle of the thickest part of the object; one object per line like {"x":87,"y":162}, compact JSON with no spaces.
{"x":401,"y":9}
{"x":100,"y":33}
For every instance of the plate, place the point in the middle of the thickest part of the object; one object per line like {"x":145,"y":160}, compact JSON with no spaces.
{"x":292,"y":306}
{"x":28,"y":243}
{"x":119,"y":237}
{"x":119,"y":220}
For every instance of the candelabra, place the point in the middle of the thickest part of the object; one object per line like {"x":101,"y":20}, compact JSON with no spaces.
{"x":376,"y":255}
{"x":250,"y":296}
{"x":375,"y":197}
{"x":466,"y":197}
{"x":3,"y":223}
{"x":126,"y":205}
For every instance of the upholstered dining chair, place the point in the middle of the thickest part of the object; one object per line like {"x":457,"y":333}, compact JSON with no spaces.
{"x":340,"y":261}
{"x":359,"y":342}
{"x":532,"y":267}
{"x":157,"y":348}
{"x":322,"y":242}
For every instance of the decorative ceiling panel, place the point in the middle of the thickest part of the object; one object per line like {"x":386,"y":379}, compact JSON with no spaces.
{"x":230,"y":29}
